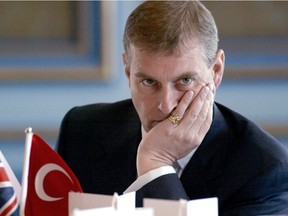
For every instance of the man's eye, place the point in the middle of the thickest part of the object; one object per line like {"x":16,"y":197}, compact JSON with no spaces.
{"x":148,"y":82}
{"x":186,"y":80}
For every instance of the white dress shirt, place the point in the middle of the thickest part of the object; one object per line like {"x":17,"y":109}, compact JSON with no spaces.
{"x":164,"y":170}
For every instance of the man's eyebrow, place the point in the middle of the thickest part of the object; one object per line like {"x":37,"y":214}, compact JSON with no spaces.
{"x":187,"y":74}
{"x":191,"y":74}
{"x":143,"y":75}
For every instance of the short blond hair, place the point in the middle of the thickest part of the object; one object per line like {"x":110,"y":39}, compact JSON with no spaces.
{"x":169,"y":26}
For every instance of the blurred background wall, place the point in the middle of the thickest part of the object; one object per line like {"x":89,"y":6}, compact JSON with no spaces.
{"x":56,"y":55}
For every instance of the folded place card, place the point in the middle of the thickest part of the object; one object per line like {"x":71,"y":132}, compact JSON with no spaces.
{"x":85,"y":201}
{"x":201,"y":207}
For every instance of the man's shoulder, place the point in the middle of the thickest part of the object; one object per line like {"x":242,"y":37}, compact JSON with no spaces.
{"x":103,"y":110}
{"x":248,"y":136}
{"x":239,"y":125}
{"x":123,"y":104}
{"x":235,"y":120}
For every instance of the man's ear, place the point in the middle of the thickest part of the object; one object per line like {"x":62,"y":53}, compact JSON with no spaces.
{"x":126,"y":65}
{"x":218,"y":68}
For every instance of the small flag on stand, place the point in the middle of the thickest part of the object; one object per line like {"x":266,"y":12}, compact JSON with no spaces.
{"x":8,"y":197}
{"x":46,"y":180}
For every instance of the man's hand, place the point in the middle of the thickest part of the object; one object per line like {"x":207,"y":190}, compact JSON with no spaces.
{"x":168,"y":142}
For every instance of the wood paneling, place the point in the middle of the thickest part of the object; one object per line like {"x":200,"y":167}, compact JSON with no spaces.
{"x":37,"y":20}
{"x":253,"y":18}
{"x":254,"y":36}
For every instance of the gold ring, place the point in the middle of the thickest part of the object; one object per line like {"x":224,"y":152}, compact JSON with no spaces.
{"x":175,"y":119}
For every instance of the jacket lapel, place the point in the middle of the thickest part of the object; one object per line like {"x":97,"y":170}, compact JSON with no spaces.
{"x":207,"y":162}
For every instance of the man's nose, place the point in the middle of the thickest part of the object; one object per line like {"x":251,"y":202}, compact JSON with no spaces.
{"x":169,"y":99}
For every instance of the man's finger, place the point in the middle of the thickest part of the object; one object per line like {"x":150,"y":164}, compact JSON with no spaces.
{"x":195,"y":108}
{"x":180,"y":110}
{"x":208,"y":120}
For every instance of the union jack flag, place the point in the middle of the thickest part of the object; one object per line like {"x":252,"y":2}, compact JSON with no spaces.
{"x":8,"y":198}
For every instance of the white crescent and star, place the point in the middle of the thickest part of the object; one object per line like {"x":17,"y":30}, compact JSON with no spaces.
{"x":39,"y":179}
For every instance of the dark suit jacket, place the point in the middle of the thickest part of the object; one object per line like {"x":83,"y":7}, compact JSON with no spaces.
{"x":246,"y":168}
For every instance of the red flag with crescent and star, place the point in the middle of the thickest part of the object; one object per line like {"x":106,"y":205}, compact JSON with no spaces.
{"x":46,"y":180}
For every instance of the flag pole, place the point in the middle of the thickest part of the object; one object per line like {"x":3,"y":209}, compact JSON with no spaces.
{"x":25,"y":170}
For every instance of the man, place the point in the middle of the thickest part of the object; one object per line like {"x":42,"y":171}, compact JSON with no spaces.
{"x":173,"y":66}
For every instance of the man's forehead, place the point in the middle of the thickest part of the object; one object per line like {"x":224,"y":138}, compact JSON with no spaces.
{"x":192,"y":52}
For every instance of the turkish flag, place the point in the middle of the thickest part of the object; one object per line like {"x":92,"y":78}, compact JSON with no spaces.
{"x":48,"y":182}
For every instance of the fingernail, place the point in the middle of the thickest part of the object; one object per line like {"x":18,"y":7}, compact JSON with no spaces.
{"x":206,"y":88}
{"x":190,"y":93}
{"x":210,"y":86}
{"x":212,"y":97}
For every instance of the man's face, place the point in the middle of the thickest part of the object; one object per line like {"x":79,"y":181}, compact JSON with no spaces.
{"x":158,"y":82}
